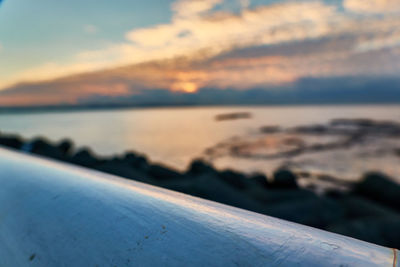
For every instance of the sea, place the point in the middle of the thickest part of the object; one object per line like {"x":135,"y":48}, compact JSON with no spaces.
{"x":325,"y":141}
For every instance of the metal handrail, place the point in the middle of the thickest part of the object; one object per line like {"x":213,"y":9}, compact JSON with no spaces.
{"x":56,"y":214}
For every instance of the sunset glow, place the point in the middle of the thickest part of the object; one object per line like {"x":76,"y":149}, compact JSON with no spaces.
{"x":186,"y":87}
{"x":188,"y":45}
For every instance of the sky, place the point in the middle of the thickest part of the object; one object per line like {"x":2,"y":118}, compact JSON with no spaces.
{"x":70,"y":52}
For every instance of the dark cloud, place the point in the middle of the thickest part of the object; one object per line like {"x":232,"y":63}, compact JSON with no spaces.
{"x":270,"y":69}
{"x":298,"y":48}
{"x":278,"y":71}
{"x":335,"y":90}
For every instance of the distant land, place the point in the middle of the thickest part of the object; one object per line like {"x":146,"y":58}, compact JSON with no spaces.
{"x":307,"y":91}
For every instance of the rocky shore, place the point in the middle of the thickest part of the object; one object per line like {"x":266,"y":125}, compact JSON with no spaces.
{"x":369,"y":210}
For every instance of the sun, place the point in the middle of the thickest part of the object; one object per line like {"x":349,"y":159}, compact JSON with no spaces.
{"x":186,"y":87}
{"x":189,"y":87}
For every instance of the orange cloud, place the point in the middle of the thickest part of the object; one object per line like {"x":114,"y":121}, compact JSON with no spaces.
{"x":372,"y":6}
{"x":194,"y":27}
{"x":263,"y":69}
{"x":188,"y":53}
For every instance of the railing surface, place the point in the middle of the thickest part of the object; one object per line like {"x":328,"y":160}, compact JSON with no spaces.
{"x":54,"y":214}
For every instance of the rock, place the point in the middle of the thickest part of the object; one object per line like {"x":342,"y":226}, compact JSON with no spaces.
{"x":316,"y":129}
{"x":381,"y":231}
{"x":379,"y":188}
{"x":65,"y":146}
{"x":331,"y":192}
{"x":85,"y":157}
{"x":43,"y":147}
{"x":359,"y":207}
{"x":259,"y":179}
{"x":284,"y":179}
{"x":360,"y":122}
{"x":140,"y":163}
{"x":121,"y":168}
{"x":270,"y":129}
{"x":233,"y":116}
{"x":304,"y":174}
{"x":130,"y":158}
{"x":277,"y":196}
{"x":234,"y":179}
{"x":136,"y":161}
{"x":199,"y":166}
{"x":160,"y":172}
{"x":316,"y":212}
{"x":11,"y":141}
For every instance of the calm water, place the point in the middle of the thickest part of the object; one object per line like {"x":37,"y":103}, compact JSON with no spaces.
{"x":174,"y":136}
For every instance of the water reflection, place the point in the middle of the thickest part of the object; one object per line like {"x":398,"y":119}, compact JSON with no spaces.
{"x":174,"y":136}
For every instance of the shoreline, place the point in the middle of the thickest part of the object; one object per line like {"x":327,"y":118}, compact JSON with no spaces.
{"x":369,"y":210}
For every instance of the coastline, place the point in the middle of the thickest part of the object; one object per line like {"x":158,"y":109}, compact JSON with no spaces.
{"x":368,"y":210}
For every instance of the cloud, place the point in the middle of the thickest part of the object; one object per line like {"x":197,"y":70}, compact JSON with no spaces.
{"x":372,"y":6}
{"x":383,"y":41}
{"x":52,"y":70}
{"x":206,"y":37}
{"x":223,"y":30}
{"x":62,"y":91}
{"x":197,"y":31}
{"x":266,"y":67}
{"x":193,"y":8}
{"x":207,"y":46}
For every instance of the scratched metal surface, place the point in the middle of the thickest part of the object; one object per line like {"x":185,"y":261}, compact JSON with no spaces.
{"x":53,"y":214}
